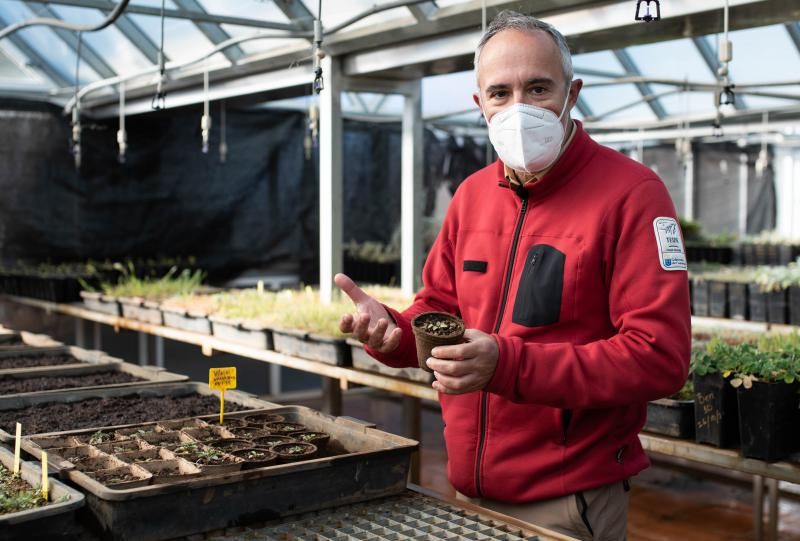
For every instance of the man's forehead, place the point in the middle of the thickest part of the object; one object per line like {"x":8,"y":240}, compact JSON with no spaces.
{"x":514,"y":54}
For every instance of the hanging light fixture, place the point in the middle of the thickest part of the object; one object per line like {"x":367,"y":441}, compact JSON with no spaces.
{"x":762,"y":162}
{"x":122,"y":136}
{"x":76,"y":111}
{"x":223,"y":140}
{"x":648,"y":15}
{"x":205,"y":120}
{"x":725,"y":97}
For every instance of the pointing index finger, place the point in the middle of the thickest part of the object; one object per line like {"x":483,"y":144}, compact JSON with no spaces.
{"x":346,"y":284}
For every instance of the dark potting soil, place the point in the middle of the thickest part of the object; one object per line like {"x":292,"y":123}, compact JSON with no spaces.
{"x":438,"y":325}
{"x":97,"y":412}
{"x":10,"y":385}
{"x":28,"y":361}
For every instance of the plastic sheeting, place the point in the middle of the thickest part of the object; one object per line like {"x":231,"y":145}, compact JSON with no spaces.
{"x":169,"y":199}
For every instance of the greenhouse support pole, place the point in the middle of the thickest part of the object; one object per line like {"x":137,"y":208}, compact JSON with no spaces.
{"x":80,"y":333}
{"x":742,"y":195}
{"x":330,"y":177}
{"x":143,"y":356}
{"x":97,"y":336}
{"x":688,"y":190}
{"x":411,"y":191}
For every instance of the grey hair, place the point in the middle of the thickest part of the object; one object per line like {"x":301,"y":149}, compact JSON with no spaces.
{"x":512,"y":20}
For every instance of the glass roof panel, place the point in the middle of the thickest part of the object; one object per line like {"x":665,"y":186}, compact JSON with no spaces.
{"x":9,"y":70}
{"x":45,"y":42}
{"x":118,"y":52}
{"x":337,"y":12}
{"x":597,"y":61}
{"x":751,"y":64}
{"x":675,"y":59}
{"x":169,"y":4}
{"x":261,"y":45}
{"x":251,"y":9}
{"x":604,"y":99}
{"x":182,"y":39}
{"x":451,"y":93}
{"x":682,"y":103}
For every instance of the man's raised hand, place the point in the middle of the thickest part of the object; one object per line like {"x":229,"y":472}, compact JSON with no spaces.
{"x":371,"y":324}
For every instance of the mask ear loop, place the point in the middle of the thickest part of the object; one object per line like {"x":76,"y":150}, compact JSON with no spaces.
{"x":566,"y":101}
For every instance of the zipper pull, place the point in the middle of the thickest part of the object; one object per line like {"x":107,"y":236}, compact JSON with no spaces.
{"x":533,"y":263}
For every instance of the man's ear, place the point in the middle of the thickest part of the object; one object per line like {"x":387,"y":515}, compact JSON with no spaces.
{"x":574,"y":91}
{"x":477,"y":100}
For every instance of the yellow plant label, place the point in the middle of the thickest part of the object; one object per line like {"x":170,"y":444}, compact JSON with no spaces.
{"x":222,"y":378}
{"x":45,"y":478}
{"x":17,"y":442}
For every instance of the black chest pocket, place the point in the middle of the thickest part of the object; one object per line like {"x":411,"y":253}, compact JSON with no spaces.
{"x":538,"y":301}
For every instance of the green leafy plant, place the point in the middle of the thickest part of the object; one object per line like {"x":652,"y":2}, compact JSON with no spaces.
{"x":771,"y":359}
{"x":171,"y":284}
{"x":16,"y":494}
{"x":777,"y":278}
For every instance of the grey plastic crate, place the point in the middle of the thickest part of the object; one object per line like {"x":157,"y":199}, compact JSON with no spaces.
{"x":246,"y":334}
{"x":186,"y":321}
{"x":366,"y":464}
{"x":141,"y":310}
{"x":101,"y":303}
{"x":53,"y":521}
{"x":315,"y":347}
{"x":363,"y":361}
{"x":150,"y":375}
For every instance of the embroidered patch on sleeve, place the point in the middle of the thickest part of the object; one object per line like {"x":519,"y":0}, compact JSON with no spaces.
{"x":671,"y":255}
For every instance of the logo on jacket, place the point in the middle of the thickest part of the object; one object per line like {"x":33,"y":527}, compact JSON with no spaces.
{"x":670,"y":245}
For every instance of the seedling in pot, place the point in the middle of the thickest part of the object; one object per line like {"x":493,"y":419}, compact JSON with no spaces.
{"x":100,"y":437}
{"x":320,"y":439}
{"x":272,"y":439}
{"x":284,"y":428}
{"x":433,"y":329}
{"x":230,"y":444}
{"x":293,"y":452}
{"x":256,"y":458}
{"x":16,"y":494}
{"x":261,"y":419}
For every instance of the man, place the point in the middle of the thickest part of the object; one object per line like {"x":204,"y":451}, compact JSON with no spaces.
{"x":565,"y":261}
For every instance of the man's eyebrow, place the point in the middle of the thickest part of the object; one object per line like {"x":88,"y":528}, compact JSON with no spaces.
{"x":529,"y":82}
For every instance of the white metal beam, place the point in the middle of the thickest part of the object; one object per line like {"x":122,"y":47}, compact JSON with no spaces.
{"x":743,"y":170}
{"x":330,"y":177}
{"x":411,"y":193}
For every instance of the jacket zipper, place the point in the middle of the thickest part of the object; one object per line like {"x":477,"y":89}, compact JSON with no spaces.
{"x":523,"y":195}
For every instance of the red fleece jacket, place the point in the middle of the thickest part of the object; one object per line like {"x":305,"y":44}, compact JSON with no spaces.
{"x":568,"y":276}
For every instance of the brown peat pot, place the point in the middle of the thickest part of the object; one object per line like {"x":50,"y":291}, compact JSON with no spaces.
{"x":433,"y":329}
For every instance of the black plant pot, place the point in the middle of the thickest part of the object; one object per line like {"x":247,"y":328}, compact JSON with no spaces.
{"x":716,"y":411}
{"x":738,"y":303}
{"x":758,"y":303}
{"x":718,"y":299}
{"x":671,"y":417}
{"x":776,"y":306}
{"x":767,"y":419}
{"x":794,"y":305}
{"x":700,"y":297}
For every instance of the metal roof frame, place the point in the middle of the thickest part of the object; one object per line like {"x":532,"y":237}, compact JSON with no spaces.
{"x":88,"y":53}
{"x":37,"y":61}
{"x":213,"y":31}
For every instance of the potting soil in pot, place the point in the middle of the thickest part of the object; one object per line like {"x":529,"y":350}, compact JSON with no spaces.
{"x":29,"y":361}
{"x":11,"y":385}
{"x":97,"y":412}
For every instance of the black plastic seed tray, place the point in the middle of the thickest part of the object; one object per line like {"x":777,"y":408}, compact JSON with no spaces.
{"x":53,"y":521}
{"x":361,"y":463}
{"x":81,"y":356}
{"x":20,"y":402}
{"x":147,"y":374}
{"x":405,"y":517}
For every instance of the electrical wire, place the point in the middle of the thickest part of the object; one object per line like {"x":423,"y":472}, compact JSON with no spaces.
{"x":160,"y":98}
{"x":58,"y":23}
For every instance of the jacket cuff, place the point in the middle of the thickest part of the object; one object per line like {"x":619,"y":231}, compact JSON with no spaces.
{"x":505,"y":373}
{"x":406,"y":352}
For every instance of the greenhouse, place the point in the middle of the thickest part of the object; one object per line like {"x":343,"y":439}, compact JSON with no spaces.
{"x":400,"y":269}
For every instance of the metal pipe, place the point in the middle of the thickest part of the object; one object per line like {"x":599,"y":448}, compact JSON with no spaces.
{"x":58,"y":23}
{"x":372,"y":11}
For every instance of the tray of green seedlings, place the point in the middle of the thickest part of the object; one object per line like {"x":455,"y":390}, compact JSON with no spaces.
{"x":42,"y":359}
{"x":83,"y":409}
{"x":24,"y":513}
{"x":87,"y":376}
{"x":243,"y":316}
{"x":286,"y":460}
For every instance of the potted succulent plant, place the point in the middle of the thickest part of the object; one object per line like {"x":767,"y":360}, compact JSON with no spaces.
{"x":716,"y":410}
{"x":767,"y":394}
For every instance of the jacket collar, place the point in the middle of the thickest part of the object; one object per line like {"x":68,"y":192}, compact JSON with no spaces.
{"x":563,"y":171}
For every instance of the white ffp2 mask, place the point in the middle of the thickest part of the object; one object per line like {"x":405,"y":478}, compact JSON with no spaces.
{"x":526,"y":137}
